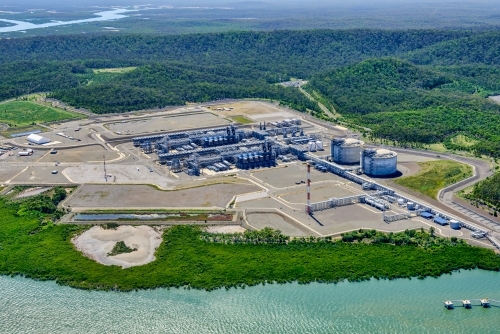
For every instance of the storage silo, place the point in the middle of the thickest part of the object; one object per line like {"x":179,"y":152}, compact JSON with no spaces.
{"x":311,"y":146}
{"x":379,"y":162}
{"x":319,"y":145}
{"x":346,"y":150}
{"x":455,"y":224}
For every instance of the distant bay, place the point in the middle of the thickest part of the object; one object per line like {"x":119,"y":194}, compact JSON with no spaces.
{"x":102,"y":16}
{"x":384,"y":306}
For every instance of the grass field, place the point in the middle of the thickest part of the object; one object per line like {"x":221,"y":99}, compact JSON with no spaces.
{"x":119,"y":70}
{"x":24,"y":113}
{"x":241,"y":119}
{"x":435,"y":175}
{"x":465,"y":141}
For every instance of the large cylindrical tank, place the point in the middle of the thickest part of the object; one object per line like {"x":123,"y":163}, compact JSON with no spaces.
{"x":379,"y":162}
{"x":319,"y":145}
{"x":346,"y":150}
{"x":455,"y":224}
{"x":311,"y":146}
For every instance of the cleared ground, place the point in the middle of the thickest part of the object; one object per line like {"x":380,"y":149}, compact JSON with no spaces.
{"x":81,"y":154}
{"x":246,"y":108}
{"x":357,"y":216}
{"x":166,"y":123}
{"x":283,"y":177}
{"x":408,"y":168}
{"x":37,"y":174}
{"x":267,"y":203}
{"x":24,"y":160}
{"x":277,"y":222}
{"x":137,"y":196}
{"x":319,"y":193}
{"x":97,"y":242}
{"x":85,"y":136}
{"x":404,"y":157}
{"x":8,"y":172}
{"x":135,"y":174}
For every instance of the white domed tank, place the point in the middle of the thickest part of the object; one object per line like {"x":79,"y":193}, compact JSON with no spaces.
{"x":319,"y":145}
{"x":346,"y":150}
{"x":379,"y":162}
{"x":455,"y":224}
{"x":311,"y":146}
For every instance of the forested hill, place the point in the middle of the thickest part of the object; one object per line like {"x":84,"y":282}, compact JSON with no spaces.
{"x":474,"y":49}
{"x":296,"y":53}
{"x":409,"y":104}
{"x":488,"y":191}
{"x":413,"y":86}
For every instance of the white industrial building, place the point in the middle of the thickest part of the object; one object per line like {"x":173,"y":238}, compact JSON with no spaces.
{"x":36,"y":139}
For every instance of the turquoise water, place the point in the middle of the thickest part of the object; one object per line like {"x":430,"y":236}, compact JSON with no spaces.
{"x":400,"y":306}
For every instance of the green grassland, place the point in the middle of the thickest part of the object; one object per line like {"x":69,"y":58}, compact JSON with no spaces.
{"x":33,"y":247}
{"x":119,"y":70}
{"x":24,"y":113}
{"x":435,"y":175}
{"x":241,"y":119}
{"x":461,"y":140}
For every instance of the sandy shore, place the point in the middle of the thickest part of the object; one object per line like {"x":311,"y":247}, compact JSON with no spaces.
{"x":225,"y":229}
{"x":97,"y":242}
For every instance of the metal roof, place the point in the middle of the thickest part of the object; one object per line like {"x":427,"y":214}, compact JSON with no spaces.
{"x":440,"y":221}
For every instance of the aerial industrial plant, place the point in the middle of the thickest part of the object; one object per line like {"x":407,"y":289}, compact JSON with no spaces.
{"x":200,"y":158}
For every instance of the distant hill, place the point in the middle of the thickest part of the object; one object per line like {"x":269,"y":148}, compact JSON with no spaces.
{"x":407,"y":103}
{"x":380,"y":85}
{"x":475,"y":49}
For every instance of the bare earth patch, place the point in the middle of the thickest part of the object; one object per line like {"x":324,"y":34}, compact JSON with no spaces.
{"x":97,"y":242}
{"x":225,"y":229}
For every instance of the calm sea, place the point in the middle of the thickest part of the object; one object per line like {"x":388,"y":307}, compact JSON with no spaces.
{"x":400,"y":306}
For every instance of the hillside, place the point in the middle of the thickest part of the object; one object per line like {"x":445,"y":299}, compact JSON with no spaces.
{"x":487,"y":191}
{"x":397,"y":98}
{"x":411,"y":104}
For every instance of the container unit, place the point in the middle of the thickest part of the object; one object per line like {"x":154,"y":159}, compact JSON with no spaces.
{"x":441,"y":221}
{"x":426,"y":215}
{"x":410,"y":206}
{"x":379,"y":162}
{"x":346,"y":150}
{"x":455,"y":224}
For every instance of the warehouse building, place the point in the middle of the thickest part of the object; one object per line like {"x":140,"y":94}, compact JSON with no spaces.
{"x":36,"y":139}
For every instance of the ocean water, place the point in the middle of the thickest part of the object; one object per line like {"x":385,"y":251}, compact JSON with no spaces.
{"x":399,"y":306}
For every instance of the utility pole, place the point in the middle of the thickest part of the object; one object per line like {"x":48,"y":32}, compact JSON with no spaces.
{"x":105,"y":173}
{"x":308,"y":188}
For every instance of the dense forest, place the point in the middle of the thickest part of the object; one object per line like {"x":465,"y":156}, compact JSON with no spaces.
{"x":409,"y":86}
{"x":408,"y":104}
{"x":487,"y":191}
